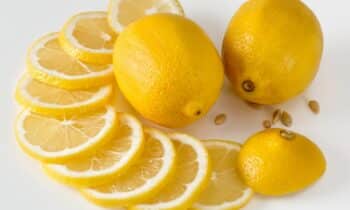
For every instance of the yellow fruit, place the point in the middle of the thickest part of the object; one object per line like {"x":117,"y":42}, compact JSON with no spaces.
{"x":226,"y":191}
{"x":168,"y":69}
{"x":48,"y":63}
{"x":272,"y":50}
{"x":45,"y":99}
{"x":113,"y":158}
{"x":123,"y":12}
{"x":278,"y":162}
{"x":88,"y":37}
{"x":143,"y":179}
{"x":191,"y":176}
{"x":58,"y":139}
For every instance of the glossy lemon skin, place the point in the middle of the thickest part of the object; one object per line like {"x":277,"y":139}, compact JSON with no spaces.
{"x":273,"y":165}
{"x":168,"y":69}
{"x":275,"y":44}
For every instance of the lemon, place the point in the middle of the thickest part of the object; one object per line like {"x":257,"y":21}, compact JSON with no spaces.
{"x":278,"y":162}
{"x":226,"y":190}
{"x":58,"y":139}
{"x":116,"y":156}
{"x":144,"y":178}
{"x":87,"y":36}
{"x":45,"y":99}
{"x":48,"y":63}
{"x":123,"y":12}
{"x":168,"y":69}
{"x":192,"y":173}
{"x":272,"y":50}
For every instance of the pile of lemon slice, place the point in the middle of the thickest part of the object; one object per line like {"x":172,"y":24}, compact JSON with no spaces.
{"x":69,"y":124}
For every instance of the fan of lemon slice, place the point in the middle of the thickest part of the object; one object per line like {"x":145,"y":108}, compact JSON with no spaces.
{"x":45,"y":99}
{"x":191,"y":176}
{"x":48,"y":63}
{"x":114,"y":157}
{"x":123,"y":12}
{"x":56,"y":139}
{"x":144,"y":178}
{"x":88,"y":37}
{"x":225,"y":190}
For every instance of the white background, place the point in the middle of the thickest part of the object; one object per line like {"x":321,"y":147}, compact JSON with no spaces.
{"x":24,"y":186}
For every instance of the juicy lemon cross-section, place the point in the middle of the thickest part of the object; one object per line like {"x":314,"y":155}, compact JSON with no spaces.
{"x":143,"y":179}
{"x":42,"y":98}
{"x":113,"y":158}
{"x":191,"y":176}
{"x":123,"y":12}
{"x":225,"y":190}
{"x":87,"y":36}
{"x":48,"y":63}
{"x":58,"y":139}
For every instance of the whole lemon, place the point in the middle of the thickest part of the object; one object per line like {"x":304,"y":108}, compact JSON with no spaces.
{"x":278,"y":162}
{"x":272,"y":50}
{"x":168,"y":69}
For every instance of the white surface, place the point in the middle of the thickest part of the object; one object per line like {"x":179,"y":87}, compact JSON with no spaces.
{"x":24,"y":186}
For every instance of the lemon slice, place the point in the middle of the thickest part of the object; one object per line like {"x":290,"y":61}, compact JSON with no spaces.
{"x":88,"y":37}
{"x":56,"y":139}
{"x":45,"y":99}
{"x":123,"y":12}
{"x":114,"y":157}
{"x":143,"y":179}
{"x":191,"y":176}
{"x":47,"y":62}
{"x":226,"y":190}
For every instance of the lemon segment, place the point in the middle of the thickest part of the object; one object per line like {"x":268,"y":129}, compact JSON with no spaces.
{"x":226,"y":191}
{"x":277,"y":162}
{"x":144,"y":178}
{"x":106,"y":162}
{"x":88,"y":37}
{"x":123,"y":12}
{"x":191,"y":176}
{"x":58,"y":139}
{"x":49,"y":100}
{"x":48,"y":63}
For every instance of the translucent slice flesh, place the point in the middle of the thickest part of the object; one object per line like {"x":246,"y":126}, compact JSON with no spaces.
{"x":131,"y":10}
{"x":185,"y":172}
{"x":147,"y":167}
{"x":52,"y":57}
{"x":53,"y":134}
{"x":107,"y":156}
{"x":94,"y":32}
{"x":53,"y":95}
{"x":225,"y":186}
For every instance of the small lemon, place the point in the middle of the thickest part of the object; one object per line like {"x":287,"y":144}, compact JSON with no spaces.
{"x":278,"y":162}
{"x":272,"y":50}
{"x":168,"y":69}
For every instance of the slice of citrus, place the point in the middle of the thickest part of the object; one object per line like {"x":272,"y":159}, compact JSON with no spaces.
{"x":47,"y":62}
{"x":123,"y":12}
{"x":146,"y":177}
{"x":225,"y":191}
{"x":49,"y":100}
{"x":106,"y":162}
{"x":56,"y":139}
{"x":88,"y":37}
{"x":191,"y":176}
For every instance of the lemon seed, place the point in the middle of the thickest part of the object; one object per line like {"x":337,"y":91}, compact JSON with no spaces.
{"x":289,"y":135}
{"x":276,"y":116}
{"x":314,"y":106}
{"x":220,"y":119}
{"x":267,"y":124}
{"x":286,"y":119}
